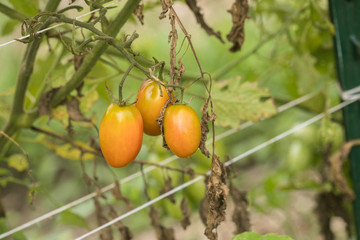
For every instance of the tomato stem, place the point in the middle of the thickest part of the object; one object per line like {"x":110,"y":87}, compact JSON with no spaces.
{"x":121,"y":103}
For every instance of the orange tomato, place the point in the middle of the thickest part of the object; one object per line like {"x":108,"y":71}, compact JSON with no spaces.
{"x":150,"y":102}
{"x":121,"y":134}
{"x":182,"y":130}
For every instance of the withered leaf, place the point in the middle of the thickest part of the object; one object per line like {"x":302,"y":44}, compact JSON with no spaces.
{"x":162,"y":233}
{"x":204,"y":129}
{"x":239,"y":11}
{"x":119,"y":196}
{"x":44,"y":103}
{"x":203,"y":210}
{"x":329,"y":205}
{"x":173,"y":37}
{"x":185,"y":221}
{"x":241,"y":215}
{"x":78,"y":59}
{"x":139,"y":13}
{"x":200,"y":19}
{"x":336,"y":169}
{"x":73,"y":110}
{"x":165,"y":4}
{"x":106,"y":233}
{"x":123,"y":229}
{"x":160,"y":120}
{"x":167,"y":187}
{"x":216,"y":191}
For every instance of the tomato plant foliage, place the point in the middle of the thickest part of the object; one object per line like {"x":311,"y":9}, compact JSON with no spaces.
{"x":241,"y":62}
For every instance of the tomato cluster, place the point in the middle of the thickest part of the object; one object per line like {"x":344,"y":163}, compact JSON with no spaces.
{"x":121,"y":128}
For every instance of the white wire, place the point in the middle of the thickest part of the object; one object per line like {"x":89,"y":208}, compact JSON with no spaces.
{"x":60,"y":24}
{"x":146,"y":170}
{"x":228,"y":163}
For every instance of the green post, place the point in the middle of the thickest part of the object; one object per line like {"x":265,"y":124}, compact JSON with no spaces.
{"x":345,"y":15}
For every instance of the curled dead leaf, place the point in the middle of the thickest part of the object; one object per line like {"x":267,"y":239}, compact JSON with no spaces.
{"x":162,"y":233}
{"x":241,"y":214}
{"x":204,"y":129}
{"x":239,"y":11}
{"x":216,"y":191}
{"x":336,"y":169}
{"x":185,"y":210}
{"x":123,"y":229}
{"x":200,"y":19}
{"x":165,"y":4}
{"x":139,"y":13}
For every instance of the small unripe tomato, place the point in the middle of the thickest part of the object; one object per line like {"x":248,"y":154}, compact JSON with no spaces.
{"x":150,"y":102}
{"x":182,"y":130}
{"x":121,"y":134}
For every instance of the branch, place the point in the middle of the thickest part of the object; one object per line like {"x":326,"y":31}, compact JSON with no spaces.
{"x":100,"y":47}
{"x":188,"y":171}
{"x":64,"y":139}
{"x":12,"y":13}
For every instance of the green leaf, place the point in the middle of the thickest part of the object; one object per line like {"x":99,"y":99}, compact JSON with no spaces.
{"x":19,"y":162}
{"x":3,"y":225}
{"x":29,"y":7}
{"x":4,"y":172}
{"x":9,"y":27}
{"x":19,"y":236}
{"x":71,"y":218}
{"x":59,"y":76}
{"x":256,"y":236}
{"x":235,"y":101}
{"x":308,"y":78}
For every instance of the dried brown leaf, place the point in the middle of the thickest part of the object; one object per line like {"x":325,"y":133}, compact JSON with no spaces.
{"x":200,"y":19}
{"x":123,"y":229}
{"x":167,"y":187}
{"x":139,"y":13}
{"x":203,"y":210}
{"x":119,"y":196}
{"x":185,"y":221}
{"x":336,"y":169}
{"x":181,"y":71}
{"x":204,"y":129}
{"x":239,"y":11}
{"x":78,"y":59}
{"x":44,"y":103}
{"x":173,"y":37}
{"x":160,"y":120}
{"x":216,"y":192}
{"x":106,"y":233}
{"x":165,"y":4}
{"x":329,"y":205}
{"x":73,"y":110}
{"x":241,"y":215}
{"x":162,"y":233}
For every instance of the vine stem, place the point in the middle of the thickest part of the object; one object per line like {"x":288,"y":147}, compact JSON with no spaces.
{"x":121,"y":85}
{"x":17,"y":119}
{"x":12,"y":13}
{"x":188,"y":171}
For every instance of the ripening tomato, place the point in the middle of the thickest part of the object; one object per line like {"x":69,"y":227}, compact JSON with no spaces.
{"x":150,"y":102}
{"x":121,"y":134}
{"x":182,"y":130}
